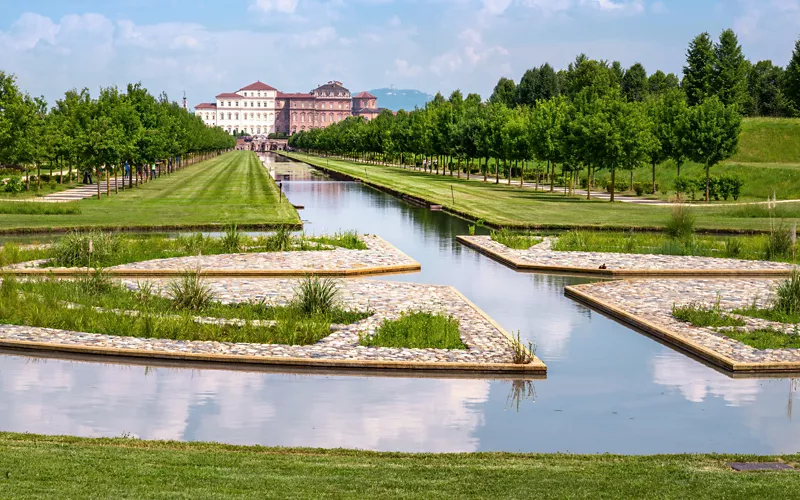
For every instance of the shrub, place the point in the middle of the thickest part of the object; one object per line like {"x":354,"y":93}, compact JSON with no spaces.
{"x":72,"y":250}
{"x":96,"y":283}
{"x":232,"y":240}
{"x":778,"y":243}
{"x":280,"y":241}
{"x":14,"y":186}
{"x":521,"y":354}
{"x":638,"y":188}
{"x":620,"y":185}
{"x":787,"y":295}
{"x":317,"y":296}
{"x":190,"y":292}
{"x":681,"y":222}
{"x":733,"y":247}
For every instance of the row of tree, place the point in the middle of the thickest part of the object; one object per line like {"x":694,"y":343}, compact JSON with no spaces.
{"x":101,"y":133}
{"x":712,"y":68}
{"x":596,"y":129}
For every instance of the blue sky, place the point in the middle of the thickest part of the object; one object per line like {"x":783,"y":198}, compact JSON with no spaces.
{"x":205,"y":47}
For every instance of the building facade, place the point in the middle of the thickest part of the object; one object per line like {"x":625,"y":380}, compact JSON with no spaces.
{"x":260,"y":109}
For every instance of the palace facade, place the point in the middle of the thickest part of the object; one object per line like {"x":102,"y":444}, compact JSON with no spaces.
{"x":259,"y":109}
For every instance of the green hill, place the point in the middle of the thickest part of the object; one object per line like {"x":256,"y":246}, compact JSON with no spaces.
{"x":769,"y":140}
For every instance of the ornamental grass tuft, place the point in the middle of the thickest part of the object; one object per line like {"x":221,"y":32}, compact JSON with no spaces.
{"x":315,"y":295}
{"x":190,"y":292}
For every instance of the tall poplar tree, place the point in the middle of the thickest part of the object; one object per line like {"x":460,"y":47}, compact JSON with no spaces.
{"x":791,"y":79}
{"x":505,"y":93}
{"x":730,"y":71}
{"x":635,"y":83}
{"x":699,"y":72}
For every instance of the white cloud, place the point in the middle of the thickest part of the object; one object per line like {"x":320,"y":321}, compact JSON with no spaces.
{"x":269,"y":6}
{"x":403,"y":69}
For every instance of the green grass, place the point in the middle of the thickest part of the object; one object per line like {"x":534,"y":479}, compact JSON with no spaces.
{"x":232,"y":188}
{"x":44,"y":303}
{"x":766,"y":339}
{"x":35,"y":466}
{"x":38,"y":208}
{"x":515,"y":240}
{"x":509,"y":206}
{"x":769,"y":140}
{"x":748,"y":247}
{"x":704,"y":316}
{"x":116,"y":249}
{"x":417,"y":330}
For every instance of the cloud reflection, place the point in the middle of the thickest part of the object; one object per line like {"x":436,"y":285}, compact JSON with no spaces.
{"x":697,"y":382}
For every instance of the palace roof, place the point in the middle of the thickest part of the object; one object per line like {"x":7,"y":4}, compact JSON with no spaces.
{"x":228,"y":95}
{"x":258,"y":86}
{"x":364,"y":95}
{"x":294,"y":96}
{"x":206,"y":105}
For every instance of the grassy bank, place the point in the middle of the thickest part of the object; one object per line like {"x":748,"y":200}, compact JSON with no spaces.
{"x":93,"y":305}
{"x":232,"y":188}
{"x":113,"y":249}
{"x":67,"y":467}
{"x":510,"y":206}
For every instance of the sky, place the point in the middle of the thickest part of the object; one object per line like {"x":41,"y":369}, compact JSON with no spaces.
{"x":204,"y":47}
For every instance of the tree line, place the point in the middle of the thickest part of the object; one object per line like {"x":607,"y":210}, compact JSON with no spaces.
{"x":101,"y":134}
{"x":567,"y":124}
{"x":712,"y":68}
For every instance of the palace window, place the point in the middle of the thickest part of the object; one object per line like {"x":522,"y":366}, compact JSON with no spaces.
{"x":323,"y":117}
{"x":236,"y":115}
{"x":245,"y":94}
{"x":259,"y":94}
{"x":229,"y":104}
{"x":251,"y":116}
{"x":237,"y":104}
{"x":259,"y":104}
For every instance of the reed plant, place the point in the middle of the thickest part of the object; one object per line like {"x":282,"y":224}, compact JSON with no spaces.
{"x":521,"y":354}
{"x":315,"y":295}
{"x":190,"y":292}
{"x":681,"y":223}
{"x":232,"y":239}
{"x":85,"y":248}
{"x":702,"y":315}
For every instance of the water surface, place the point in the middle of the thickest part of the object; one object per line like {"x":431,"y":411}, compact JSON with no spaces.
{"x":609,"y":389}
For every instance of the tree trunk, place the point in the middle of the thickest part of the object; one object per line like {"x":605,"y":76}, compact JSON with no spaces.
{"x":708,"y":191}
{"x":38,"y":176}
{"x":496,"y":171}
{"x":509,"y":167}
{"x":588,"y":182}
{"x":459,"y":167}
{"x":61,"y":164}
{"x":551,"y":171}
{"x":108,"y":182}
{"x":613,"y":180}
{"x":654,"y":178}
{"x":485,"y":169}
{"x":522,"y":174}
{"x":470,"y":162}
{"x":116,"y":182}
{"x":98,"y":182}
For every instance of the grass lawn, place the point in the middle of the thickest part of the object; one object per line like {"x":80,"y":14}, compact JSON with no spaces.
{"x":66,"y":467}
{"x":232,"y":188}
{"x":510,"y":206}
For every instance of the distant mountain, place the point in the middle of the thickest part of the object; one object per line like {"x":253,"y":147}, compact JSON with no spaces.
{"x":397,"y":99}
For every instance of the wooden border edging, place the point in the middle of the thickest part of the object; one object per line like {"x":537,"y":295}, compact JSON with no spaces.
{"x":626,"y":273}
{"x":346,"y":364}
{"x":679,"y":341}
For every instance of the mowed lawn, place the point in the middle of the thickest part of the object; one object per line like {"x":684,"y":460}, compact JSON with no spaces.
{"x":66,"y":467}
{"x":232,"y":188}
{"x":511,"y":206}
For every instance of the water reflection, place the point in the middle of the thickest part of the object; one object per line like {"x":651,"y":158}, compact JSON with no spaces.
{"x":609,"y":389}
{"x":697,"y":382}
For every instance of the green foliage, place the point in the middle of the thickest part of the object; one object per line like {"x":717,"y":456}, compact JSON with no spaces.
{"x":698,"y":74}
{"x":72,"y":250}
{"x":787,"y":295}
{"x":315,"y":295}
{"x":14,"y":186}
{"x":515,"y":240}
{"x":190,"y":292}
{"x":703,"y":316}
{"x":681,"y":223}
{"x":417,"y":330}
{"x":34,"y":208}
{"x":778,"y":244}
{"x":341,"y":239}
{"x":766,"y":339}
{"x":521,"y":354}
{"x":232,"y":240}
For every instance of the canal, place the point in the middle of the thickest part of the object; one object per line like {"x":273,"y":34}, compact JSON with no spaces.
{"x":608,"y":389}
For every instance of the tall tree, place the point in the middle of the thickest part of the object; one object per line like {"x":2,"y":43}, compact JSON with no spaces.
{"x":659,"y":82}
{"x":791,"y":82}
{"x":635,"y":84}
{"x":730,"y":71}
{"x":712,"y":134}
{"x":505,"y":93}
{"x":545,"y":130}
{"x":764,"y":84}
{"x":699,"y":72}
{"x":527,"y":89}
